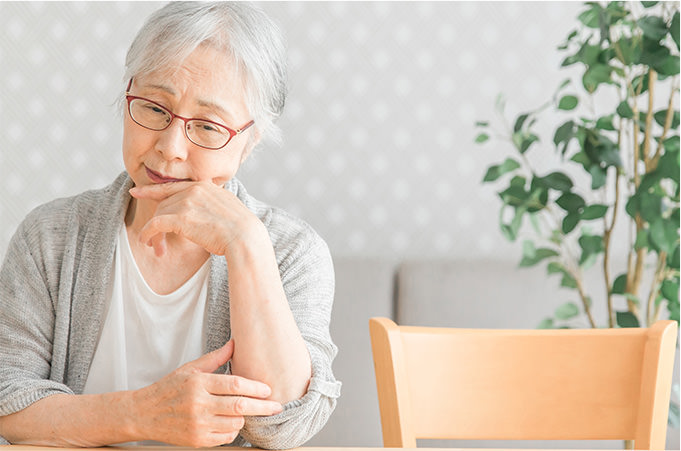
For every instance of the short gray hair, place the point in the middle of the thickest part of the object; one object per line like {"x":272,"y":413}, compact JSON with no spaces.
{"x":246,"y":34}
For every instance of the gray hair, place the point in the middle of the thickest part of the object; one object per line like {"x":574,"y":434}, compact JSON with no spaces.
{"x":242,"y":30}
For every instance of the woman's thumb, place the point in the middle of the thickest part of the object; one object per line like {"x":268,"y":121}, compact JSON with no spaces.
{"x":210,"y":362}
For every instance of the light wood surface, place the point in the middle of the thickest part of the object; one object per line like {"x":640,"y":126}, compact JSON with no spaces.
{"x":179,"y":448}
{"x":608,"y":384}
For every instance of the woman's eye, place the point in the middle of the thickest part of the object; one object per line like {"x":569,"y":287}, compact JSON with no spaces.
{"x":155,"y":109}
{"x":209,"y":128}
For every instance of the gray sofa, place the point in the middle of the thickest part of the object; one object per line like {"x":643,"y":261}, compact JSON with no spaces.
{"x":469,"y":294}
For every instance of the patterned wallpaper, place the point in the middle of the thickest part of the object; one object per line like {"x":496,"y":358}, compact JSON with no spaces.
{"x":378,"y":151}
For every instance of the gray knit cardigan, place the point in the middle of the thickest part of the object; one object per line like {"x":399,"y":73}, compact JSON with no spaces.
{"x":53,"y":295}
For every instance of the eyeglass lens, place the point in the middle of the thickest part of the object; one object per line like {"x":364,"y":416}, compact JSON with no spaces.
{"x":155,"y":117}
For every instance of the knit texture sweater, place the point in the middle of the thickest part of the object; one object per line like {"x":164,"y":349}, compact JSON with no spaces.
{"x":53,"y":298}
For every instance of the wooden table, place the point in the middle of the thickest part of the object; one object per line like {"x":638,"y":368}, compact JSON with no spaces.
{"x":182,"y":448}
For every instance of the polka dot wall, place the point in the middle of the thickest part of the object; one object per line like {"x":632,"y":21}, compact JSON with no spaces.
{"x":378,"y":152}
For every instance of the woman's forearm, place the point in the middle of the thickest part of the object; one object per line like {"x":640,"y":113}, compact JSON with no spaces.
{"x":268,"y":345}
{"x":73,"y":420}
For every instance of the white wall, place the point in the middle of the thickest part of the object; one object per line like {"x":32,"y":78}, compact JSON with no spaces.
{"x":378,"y":152}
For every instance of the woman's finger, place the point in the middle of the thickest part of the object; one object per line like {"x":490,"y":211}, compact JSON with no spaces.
{"x":213,"y":360}
{"x":160,"y":224}
{"x":245,"y":406}
{"x":226,"y":384}
{"x":159,"y":191}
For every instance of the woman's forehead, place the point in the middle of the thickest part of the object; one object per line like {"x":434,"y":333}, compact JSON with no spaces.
{"x":208,"y":77}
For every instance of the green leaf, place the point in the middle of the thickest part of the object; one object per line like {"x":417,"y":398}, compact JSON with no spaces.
{"x":570,"y":202}
{"x":568,"y":102}
{"x":555,"y":268}
{"x":641,"y":240}
{"x":520,"y":121}
{"x":670,"y":290}
{"x":673,"y":259}
{"x":627,"y":319}
{"x":510,"y":230}
{"x":629,"y":49}
{"x":653,"y":27}
{"x":532,"y":256}
{"x":674,"y":29}
{"x":567,"y":311}
{"x":591,"y":245}
{"x":481,"y":138}
{"x":523,"y":140}
{"x":546,"y":323}
{"x":598,"y":176}
{"x":649,"y":4}
{"x":570,"y":221}
{"x":664,"y":235}
{"x":605,"y":123}
{"x":668,"y":66}
{"x":482,"y":124}
{"x":661,"y":116}
{"x":496,"y":171}
{"x":668,"y":166}
{"x":564,"y":134}
{"x":557,"y":181}
{"x":653,"y":53}
{"x":641,"y":80}
{"x":624,"y":110}
{"x":671,"y":144}
{"x":568,"y":281}
{"x":619,"y":286}
{"x":590,"y":16}
{"x":594,"y":212}
{"x":650,"y":203}
{"x":673,"y":417}
{"x":595,"y":75}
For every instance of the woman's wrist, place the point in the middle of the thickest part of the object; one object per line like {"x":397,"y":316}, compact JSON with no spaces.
{"x":253,"y":240}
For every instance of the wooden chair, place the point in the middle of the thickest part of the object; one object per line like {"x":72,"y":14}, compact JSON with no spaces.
{"x":442,"y":383}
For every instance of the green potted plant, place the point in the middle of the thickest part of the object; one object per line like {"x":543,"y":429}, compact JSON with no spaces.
{"x":621,"y":135}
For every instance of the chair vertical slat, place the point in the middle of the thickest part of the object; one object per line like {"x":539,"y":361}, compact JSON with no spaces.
{"x":391,"y":385}
{"x":656,"y":385}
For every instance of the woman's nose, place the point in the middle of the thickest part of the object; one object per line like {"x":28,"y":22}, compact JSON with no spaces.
{"x":172,"y":142}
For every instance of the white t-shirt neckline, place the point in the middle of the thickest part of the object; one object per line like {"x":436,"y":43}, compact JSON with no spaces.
{"x":146,"y":335}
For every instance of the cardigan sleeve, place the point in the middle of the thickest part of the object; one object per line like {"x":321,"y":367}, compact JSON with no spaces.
{"x":26,"y":327}
{"x":308,"y":280}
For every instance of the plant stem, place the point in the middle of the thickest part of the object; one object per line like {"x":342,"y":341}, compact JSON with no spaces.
{"x":606,"y":245}
{"x":667,"y":125}
{"x":652,"y":77}
{"x":655,"y":286}
{"x":583,"y":297}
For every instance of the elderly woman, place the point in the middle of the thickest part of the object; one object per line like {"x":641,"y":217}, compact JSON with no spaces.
{"x":172,"y":306}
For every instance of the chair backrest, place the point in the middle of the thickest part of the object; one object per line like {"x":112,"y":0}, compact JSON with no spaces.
{"x":443,"y":383}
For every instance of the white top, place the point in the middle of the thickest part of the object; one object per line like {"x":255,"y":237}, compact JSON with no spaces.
{"x":146,"y":335}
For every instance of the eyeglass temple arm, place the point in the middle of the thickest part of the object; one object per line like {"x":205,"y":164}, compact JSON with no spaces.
{"x":245,"y":127}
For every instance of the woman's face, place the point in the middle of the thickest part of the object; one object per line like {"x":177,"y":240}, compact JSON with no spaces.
{"x":204,"y":87}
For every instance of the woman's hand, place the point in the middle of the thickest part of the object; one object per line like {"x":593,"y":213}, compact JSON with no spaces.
{"x":202,"y":212}
{"x":193,"y":407}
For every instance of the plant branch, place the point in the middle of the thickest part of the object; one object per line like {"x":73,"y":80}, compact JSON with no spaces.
{"x":607,"y":233}
{"x":667,"y":124}
{"x":655,"y":286}
{"x":652,"y":77}
{"x":584,"y":299}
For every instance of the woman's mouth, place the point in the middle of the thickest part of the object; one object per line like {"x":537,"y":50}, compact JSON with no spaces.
{"x":158,"y":178}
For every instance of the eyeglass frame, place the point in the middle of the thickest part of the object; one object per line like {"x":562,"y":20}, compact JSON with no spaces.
{"x":232,"y":133}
